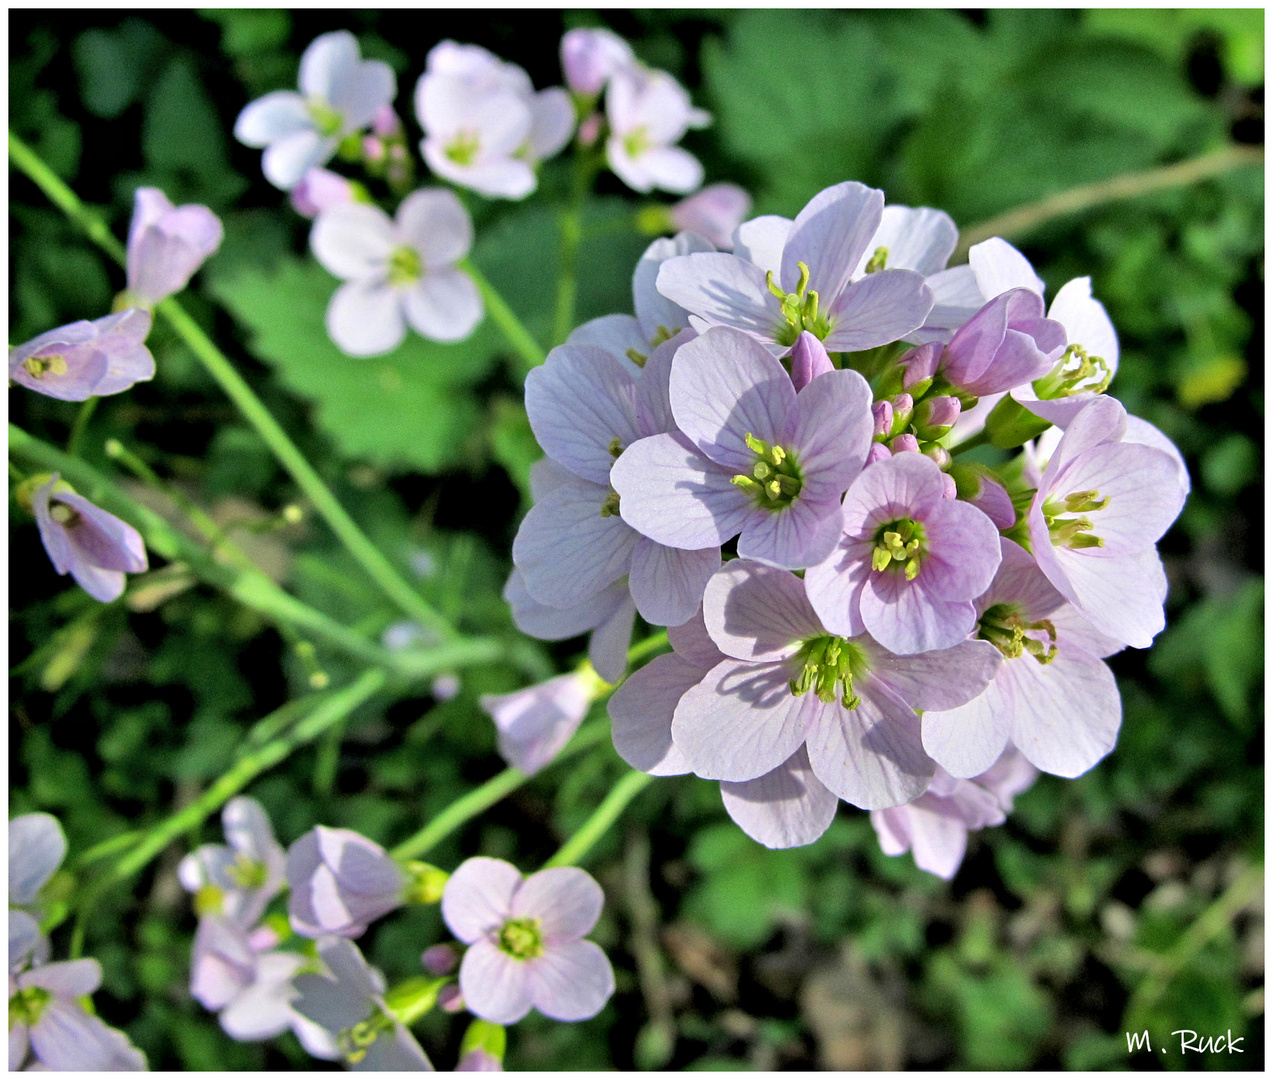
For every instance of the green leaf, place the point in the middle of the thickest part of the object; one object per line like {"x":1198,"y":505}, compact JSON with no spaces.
{"x":245,"y":31}
{"x":114,"y":65}
{"x":409,"y":409}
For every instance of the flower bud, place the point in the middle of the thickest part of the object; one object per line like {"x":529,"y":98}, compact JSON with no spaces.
{"x":948,"y":484}
{"x":319,"y":190}
{"x":373,"y":150}
{"x":590,"y":57}
{"x":167,"y":244}
{"x":920,"y":366}
{"x":878,"y":452}
{"x":386,"y":123}
{"x":882,"y":411}
{"x":590,"y":130}
{"x":439,"y":959}
{"x":940,"y":456}
{"x":903,"y":407}
{"x":340,"y":881}
{"x":904,"y":444}
{"x":450,"y":999}
{"x":935,"y":416}
{"x":809,"y":359}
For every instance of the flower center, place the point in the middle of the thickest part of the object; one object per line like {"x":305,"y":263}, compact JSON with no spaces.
{"x":775,"y":479}
{"x":354,"y":1041}
{"x":1074,"y":532}
{"x":521,"y":939}
{"x":610,"y":508}
{"x":799,"y":309}
{"x":326,"y":119}
{"x":899,"y":546}
{"x":405,"y":266}
{"x":247,"y":873}
{"x":1073,"y":374}
{"x":463,"y":148}
{"x":877,"y":260}
{"x":38,"y":365}
{"x":828,"y":665}
{"x":26,"y":1006}
{"x":63,"y":514}
{"x":637,"y":142}
{"x":209,"y":900}
{"x":1005,"y":629}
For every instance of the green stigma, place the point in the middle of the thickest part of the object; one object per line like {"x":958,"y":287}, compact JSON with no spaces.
{"x":799,"y":309}
{"x":1005,"y":629}
{"x":877,"y":260}
{"x":521,"y":939}
{"x":827,"y":667}
{"x":354,"y":1042}
{"x":637,"y":358}
{"x":405,"y":266}
{"x":247,"y":873}
{"x":27,"y":1005}
{"x":463,"y":148}
{"x":899,"y":546}
{"x":775,"y":481}
{"x":1075,"y":532}
{"x":38,"y":366}
{"x":326,"y":119}
{"x":1074,"y":373}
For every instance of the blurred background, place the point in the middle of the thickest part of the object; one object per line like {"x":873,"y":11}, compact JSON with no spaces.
{"x":727,"y":955}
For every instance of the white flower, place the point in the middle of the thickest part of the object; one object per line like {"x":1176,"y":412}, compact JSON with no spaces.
{"x":340,"y":93}
{"x":649,"y":111}
{"x":397,"y":272}
{"x":485,"y":126}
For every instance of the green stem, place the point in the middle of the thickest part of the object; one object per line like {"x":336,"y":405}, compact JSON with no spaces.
{"x":81,"y":422}
{"x":377,"y":567}
{"x":468,"y":806}
{"x":652,"y":644}
{"x":521,"y":339}
{"x":248,"y":586}
{"x":602,"y":818}
{"x":571,"y":234}
{"x":331,"y":709}
{"x":982,"y":438}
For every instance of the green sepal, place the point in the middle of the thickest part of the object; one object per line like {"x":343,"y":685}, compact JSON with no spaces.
{"x":483,"y":1035}
{"x":1010,"y":424}
{"x":410,"y":1000}
{"x":425,"y":883}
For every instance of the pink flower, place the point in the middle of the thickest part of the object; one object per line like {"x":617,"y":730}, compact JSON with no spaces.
{"x":590,"y":57}
{"x":167,"y":244}
{"x":86,"y":359}
{"x":713,"y":213}
{"x":94,"y":547}
{"x":240,"y":879}
{"x":525,"y":941}
{"x":319,"y":190}
{"x":398,"y":272}
{"x":340,"y":882}
{"x":535,"y":722}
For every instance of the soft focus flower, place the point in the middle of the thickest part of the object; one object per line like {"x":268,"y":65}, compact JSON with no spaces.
{"x":479,"y":1060}
{"x":167,"y":244}
{"x":340,"y":94}
{"x":37,"y":847}
{"x":649,"y":112}
{"x":340,"y":882}
{"x":94,"y":547}
{"x":1051,"y":697}
{"x":525,"y":941}
{"x":608,"y":616}
{"x":1101,"y":506}
{"x":240,"y":879}
{"x":319,"y":190}
{"x":398,"y":271}
{"x":347,"y":1001}
{"x":935,"y":827}
{"x":589,"y":57}
{"x":752,"y":456}
{"x":785,"y":277}
{"x":485,"y":127}
{"x":713,"y":213}
{"x":46,"y":1016}
{"x":439,"y":959}
{"x":909,"y":561}
{"x":537,"y":721}
{"x":787,"y":682}
{"x":86,"y":359}
{"x":585,"y":407}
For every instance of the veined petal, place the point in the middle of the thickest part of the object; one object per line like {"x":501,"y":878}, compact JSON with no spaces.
{"x":641,"y":714}
{"x":787,"y":807}
{"x":797,"y":536}
{"x":880,"y":308}
{"x":1119,"y":595}
{"x":653,"y":393}
{"x":906,"y":617}
{"x":1085,"y":320}
{"x":967,"y":740}
{"x":834,"y":429}
{"x":724,"y":290}
{"x":617,"y":334}
{"x":963,"y":550}
{"x":654,"y":311}
{"x":940,"y":679}
{"x":667,"y":583}
{"x":834,"y":587}
{"x":999,"y":267}
{"x":608,"y":646}
{"x":761,"y":240}
{"x":917,"y":238}
{"x":829,"y":236}
{"x":758,"y":613}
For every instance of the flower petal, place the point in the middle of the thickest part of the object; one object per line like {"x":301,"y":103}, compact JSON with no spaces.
{"x":570,"y":982}
{"x":478,"y":897}
{"x":364,"y":318}
{"x":37,"y":847}
{"x":566,"y":901}
{"x":724,"y":290}
{"x":999,"y":267}
{"x":657,"y":315}
{"x":496,"y":987}
{"x":667,"y":583}
{"x":880,"y":308}
{"x":444,"y":305}
{"x":288,"y":159}
{"x":917,"y":238}
{"x":435,"y":223}
{"x":758,"y":613}
{"x":353,"y":241}
{"x":787,"y":807}
{"x":608,"y":646}
{"x":761,"y":240}
{"x":272,"y":118}
{"x":829,"y":236}
{"x":641,"y":712}
{"x":907,"y":617}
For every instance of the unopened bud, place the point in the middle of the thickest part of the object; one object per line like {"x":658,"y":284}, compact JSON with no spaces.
{"x":935,"y":416}
{"x":373,"y":150}
{"x":920,"y":366}
{"x":882,"y":411}
{"x":903,"y":407}
{"x":948,"y":486}
{"x":386,"y":123}
{"x":439,"y":959}
{"x":450,"y":999}
{"x":426,"y":883}
{"x":877,"y":452}
{"x":904,"y":444}
{"x":939,"y":455}
{"x":809,"y":359}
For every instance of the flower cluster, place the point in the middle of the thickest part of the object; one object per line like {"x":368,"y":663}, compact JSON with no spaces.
{"x":265,"y":974}
{"x":49,"y":1026}
{"x":893,"y":626}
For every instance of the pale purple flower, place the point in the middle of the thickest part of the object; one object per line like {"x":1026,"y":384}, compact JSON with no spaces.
{"x":809,"y":359}
{"x":785,"y":277}
{"x":608,"y":616}
{"x":398,"y":271}
{"x":649,"y":112}
{"x":167,"y":244}
{"x":585,"y":407}
{"x":787,"y":682}
{"x":234,"y":973}
{"x":752,"y":456}
{"x":1101,"y":505}
{"x":534,"y":723}
{"x":485,"y":126}
{"x":94,"y":547}
{"x":525,"y":939}
{"x":1005,"y":344}
{"x":340,"y":882}
{"x":713,"y":213}
{"x":479,"y":1060}
{"x":1052,"y":696}
{"x":439,"y":959}
{"x":657,"y":319}
{"x":347,"y":1001}
{"x":340,"y":95}
{"x":86,"y":359}
{"x":37,"y":847}
{"x":237,"y":879}
{"x":590,"y":56}
{"x":47,"y":1018}
{"x":935,"y":827}
{"x":909,"y":561}
{"x":319,"y":190}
